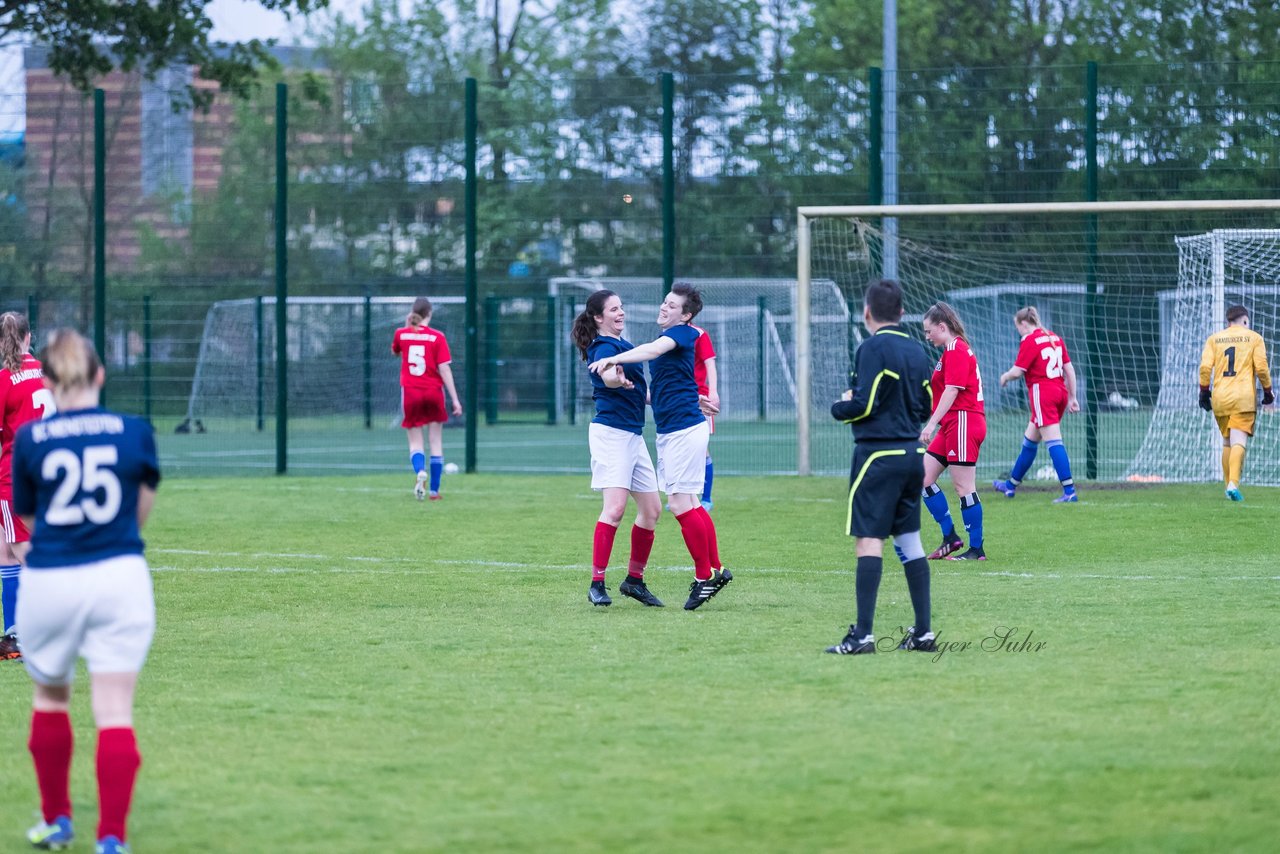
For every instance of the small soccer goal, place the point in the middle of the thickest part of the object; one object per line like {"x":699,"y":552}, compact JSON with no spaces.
{"x":752,"y":324}
{"x":1132,"y":287}
{"x":339,"y":359}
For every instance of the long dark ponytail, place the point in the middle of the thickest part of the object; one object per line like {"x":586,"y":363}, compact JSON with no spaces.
{"x":584,"y":325}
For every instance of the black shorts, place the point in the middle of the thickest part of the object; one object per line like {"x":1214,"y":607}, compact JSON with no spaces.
{"x":884,"y":491}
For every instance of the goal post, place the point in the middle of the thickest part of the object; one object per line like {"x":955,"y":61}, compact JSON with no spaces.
{"x":1097,"y":269}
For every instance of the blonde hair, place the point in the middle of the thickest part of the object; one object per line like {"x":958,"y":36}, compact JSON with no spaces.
{"x":1027,"y":314}
{"x":941,"y":312}
{"x":420,"y":312}
{"x":14,"y":330}
{"x":69,"y":361}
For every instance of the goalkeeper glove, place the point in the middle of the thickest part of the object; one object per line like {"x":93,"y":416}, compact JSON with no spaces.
{"x":1205,"y":404}
{"x":1267,"y":397}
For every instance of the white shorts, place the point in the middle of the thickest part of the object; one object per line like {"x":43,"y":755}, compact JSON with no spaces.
{"x":682,"y":460}
{"x":620,"y":459}
{"x":103,"y":612}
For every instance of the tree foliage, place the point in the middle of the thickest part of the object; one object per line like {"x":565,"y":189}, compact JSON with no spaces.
{"x":89,"y":38}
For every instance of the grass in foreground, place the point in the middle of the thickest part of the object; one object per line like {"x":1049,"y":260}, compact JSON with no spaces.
{"x":341,"y":668}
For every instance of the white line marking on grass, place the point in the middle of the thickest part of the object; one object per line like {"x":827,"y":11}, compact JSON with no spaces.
{"x":413,"y":564}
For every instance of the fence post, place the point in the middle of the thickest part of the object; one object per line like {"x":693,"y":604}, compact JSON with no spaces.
{"x":668,"y":184}
{"x":368,"y":361}
{"x":146,"y":357}
{"x":472,"y":358}
{"x":100,"y":227}
{"x":491,"y":308}
{"x":762,"y":369}
{"x":553,"y":411}
{"x":33,"y":311}
{"x":1092,"y":391}
{"x":282,"y":279}
{"x":258,"y":333}
{"x":875,"y":137}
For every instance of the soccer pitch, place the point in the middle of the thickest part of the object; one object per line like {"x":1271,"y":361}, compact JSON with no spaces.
{"x":338,"y":667}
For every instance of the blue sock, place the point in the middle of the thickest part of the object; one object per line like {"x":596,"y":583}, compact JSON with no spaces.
{"x":706,"y":483}
{"x":9,"y":594}
{"x":938,"y":509}
{"x":1022,"y":464}
{"x":418,"y":461}
{"x":1061,"y":464}
{"x":971,"y":512}
{"x":437,"y":469}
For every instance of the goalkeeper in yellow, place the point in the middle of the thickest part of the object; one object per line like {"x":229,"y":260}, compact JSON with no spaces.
{"x":1235,"y":359}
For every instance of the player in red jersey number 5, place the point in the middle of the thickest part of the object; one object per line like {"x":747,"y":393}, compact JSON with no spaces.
{"x":424,"y":375}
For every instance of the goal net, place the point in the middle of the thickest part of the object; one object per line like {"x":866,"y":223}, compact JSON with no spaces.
{"x":1217,"y":269}
{"x":752,"y":326}
{"x":339,"y":352}
{"x":1098,"y":273}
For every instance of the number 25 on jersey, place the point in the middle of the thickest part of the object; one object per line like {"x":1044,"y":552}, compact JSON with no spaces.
{"x":90,"y":475}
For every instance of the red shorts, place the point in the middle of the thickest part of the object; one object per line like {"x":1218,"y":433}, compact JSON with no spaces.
{"x":423,"y":406}
{"x":1048,"y":403}
{"x":959,"y":438}
{"x":14,"y":530}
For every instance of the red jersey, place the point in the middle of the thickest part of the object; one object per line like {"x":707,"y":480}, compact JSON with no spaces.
{"x":958,"y":367}
{"x":422,"y":351}
{"x":1044,"y":358}
{"x":23,"y":398}
{"x":702,"y":350}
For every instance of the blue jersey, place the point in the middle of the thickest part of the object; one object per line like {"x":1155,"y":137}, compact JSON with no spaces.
{"x":675,"y":391}
{"x":622,"y":408}
{"x":79,"y":474}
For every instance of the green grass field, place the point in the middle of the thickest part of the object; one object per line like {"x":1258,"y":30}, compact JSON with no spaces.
{"x":339,"y":668}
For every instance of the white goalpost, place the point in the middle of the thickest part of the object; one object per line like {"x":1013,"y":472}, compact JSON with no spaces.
{"x":1134,"y":287}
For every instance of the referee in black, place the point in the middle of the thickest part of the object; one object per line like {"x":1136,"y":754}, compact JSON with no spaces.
{"x":889,"y":401}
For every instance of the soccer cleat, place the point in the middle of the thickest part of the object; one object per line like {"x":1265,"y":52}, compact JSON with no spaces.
{"x":52,"y":837}
{"x":919,"y":641}
{"x":854,"y":645}
{"x":1233,"y":492}
{"x":1006,"y":487}
{"x":701,"y":591}
{"x":111,"y":845}
{"x":947,"y":547}
{"x":1064,"y":498}
{"x":435,"y":496}
{"x":971,"y":554}
{"x":597,"y":594}
{"x":420,"y":488}
{"x":636,"y":589}
{"x":9,"y":649}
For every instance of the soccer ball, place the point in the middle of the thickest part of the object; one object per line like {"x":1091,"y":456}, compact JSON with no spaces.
{"x":450,"y":468}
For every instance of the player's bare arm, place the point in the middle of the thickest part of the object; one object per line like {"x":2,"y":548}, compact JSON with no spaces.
{"x":446,"y":376}
{"x":1012,"y":375}
{"x":949,"y":395}
{"x":642,"y":353}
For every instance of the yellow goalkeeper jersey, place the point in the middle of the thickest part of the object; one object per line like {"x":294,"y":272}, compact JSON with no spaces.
{"x":1236,"y":360}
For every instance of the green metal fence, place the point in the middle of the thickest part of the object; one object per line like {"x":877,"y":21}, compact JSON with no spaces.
{"x":360,"y":187}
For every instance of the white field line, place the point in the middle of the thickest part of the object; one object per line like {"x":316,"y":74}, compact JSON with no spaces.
{"x":415,"y":564}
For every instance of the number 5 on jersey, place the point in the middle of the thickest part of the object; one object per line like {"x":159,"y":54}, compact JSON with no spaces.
{"x":417,"y":359}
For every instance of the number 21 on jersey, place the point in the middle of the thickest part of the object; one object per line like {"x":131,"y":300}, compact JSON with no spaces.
{"x":1053,"y":361}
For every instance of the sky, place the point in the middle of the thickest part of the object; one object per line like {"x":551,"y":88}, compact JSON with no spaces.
{"x":233,"y":20}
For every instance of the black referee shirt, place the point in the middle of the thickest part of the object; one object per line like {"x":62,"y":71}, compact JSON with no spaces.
{"x":891,"y":394}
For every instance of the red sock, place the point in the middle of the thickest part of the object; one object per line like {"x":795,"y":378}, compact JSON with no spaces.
{"x":713,"y":547}
{"x":601,"y":548}
{"x":118,"y":762}
{"x":641,"y":545}
{"x":50,"y":745}
{"x":695,"y":539}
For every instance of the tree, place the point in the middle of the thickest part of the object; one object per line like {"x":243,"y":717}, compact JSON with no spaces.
{"x":89,"y":38}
